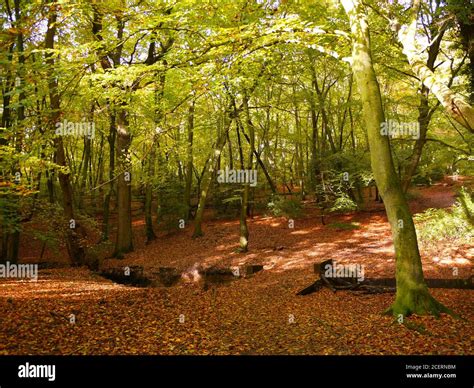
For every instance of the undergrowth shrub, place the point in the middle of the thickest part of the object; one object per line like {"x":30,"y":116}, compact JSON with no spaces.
{"x":454,"y":224}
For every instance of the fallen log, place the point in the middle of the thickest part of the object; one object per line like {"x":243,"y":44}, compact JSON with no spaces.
{"x":372,"y":285}
{"x":466,"y":284}
{"x":382,"y":285}
{"x":249,"y":270}
{"x":320,"y":268}
{"x":311,"y":288}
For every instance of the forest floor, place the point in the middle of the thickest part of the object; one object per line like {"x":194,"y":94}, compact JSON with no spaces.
{"x":260,"y":314}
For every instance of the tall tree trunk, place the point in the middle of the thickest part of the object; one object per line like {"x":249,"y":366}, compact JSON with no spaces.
{"x":344,"y":116}
{"x":111,"y":138}
{"x":424,"y":117}
{"x":412,"y":293}
{"x":107,"y":59}
{"x":244,"y":197}
{"x":99,"y":180}
{"x":13,"y":240}
{"x":74,"y":231}
{"x":207,"y":178}
{"x":150,"y":168}
{"x":231,"y":155}
{"x":299,"y":150}
{"x":10,"y":227}
{"x":314,"y":146}
{"x":353,"y":142}
{"x":326,"y":133}
{"x":9,"y":211}
{"x":262,"y":166}
{"x":84,"y":171}
{"x":189,"y":162}
{"x":244,"y":230}
{"x":124,"y":238}
{"x":150,"y":171}
{"x":149,"y":176}
{"x":124,"y":241}
{"x":424,"y":111}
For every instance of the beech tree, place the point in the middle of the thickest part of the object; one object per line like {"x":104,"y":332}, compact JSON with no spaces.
{"x":412,"y":293}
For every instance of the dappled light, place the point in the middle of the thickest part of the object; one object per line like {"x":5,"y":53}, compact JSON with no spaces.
{"x":236,"y":177}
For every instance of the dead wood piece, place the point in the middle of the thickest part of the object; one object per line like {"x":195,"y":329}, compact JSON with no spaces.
{"x":328,"y":283}
{"x":377,"y":285}
{"x":252,"y":269}
{"x":320,"y":268}
{"x":311,"y":288}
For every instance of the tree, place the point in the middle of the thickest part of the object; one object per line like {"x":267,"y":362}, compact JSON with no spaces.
{"x":74,"y":231}
{"x":189,"y":160}
{"x":412,"y":293}
{"x":222,"y":131}
{"x":455,"y":104}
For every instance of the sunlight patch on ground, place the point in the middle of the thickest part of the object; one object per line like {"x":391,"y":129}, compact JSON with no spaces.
{"x":300,"y":232}
{"x":451,"y":261}
{"x":55,"y":288}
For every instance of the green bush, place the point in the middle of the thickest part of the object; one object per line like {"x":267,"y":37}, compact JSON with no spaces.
{"x":344,"y":226}
{"x":341,"y":178}
{"x":343,"y":203}
{"x":97,"y":253}
{"x":429,"y":176}
{"x":455,"y":224}
{"x":421,"y":179}
{"x":50,"y":226}
{"x":280,"y":206}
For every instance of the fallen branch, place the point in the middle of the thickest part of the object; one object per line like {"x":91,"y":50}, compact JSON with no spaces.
{"x":373,"y":285}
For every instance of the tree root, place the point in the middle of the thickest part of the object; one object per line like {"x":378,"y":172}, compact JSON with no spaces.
{"x":419,"y":302}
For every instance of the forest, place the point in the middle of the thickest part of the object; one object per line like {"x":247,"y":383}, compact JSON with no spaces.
{"x":236,"y":177}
